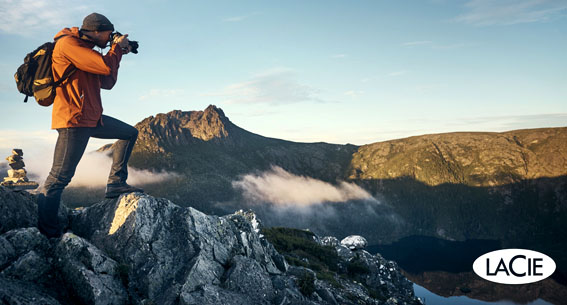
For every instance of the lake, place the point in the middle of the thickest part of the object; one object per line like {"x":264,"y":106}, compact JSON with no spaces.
{"x":442,"y":273}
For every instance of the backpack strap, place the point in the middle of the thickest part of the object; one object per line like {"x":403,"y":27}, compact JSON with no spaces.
{"x":70,"y":70}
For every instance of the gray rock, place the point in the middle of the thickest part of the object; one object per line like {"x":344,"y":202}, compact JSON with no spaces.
{"x":31,"y":267}
{"x":18,"y":152}
{"x":252,"y":218}
{"x":166,"y":254}
{"x":354,"y":242}
{"x":152,"y":236}
{"x":247,"y":276}
{"x":7,"y":252}
{"x":17,"y":210}
{"x":24,"y":240}
{"x":329,"y":241}
{"x":211,"y":294}
{"x":344,"y":252}
{"x":91,"y":274}
{"x":14,"y":292}
{"x":326,"y":295}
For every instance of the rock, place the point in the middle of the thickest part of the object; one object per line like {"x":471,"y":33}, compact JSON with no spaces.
{"x":326,"y":295}
{"x":17,"y":210}
{"x":14,"y":158}
{"x":211,"y":294}
{"x":17,"y":179}
{"x":17,"y":173}
{"x":7,"y":252}
{"x":354,"y":242}
{"x":17,"y":152}
{"x":252,"y":218}
{"x":24,"y":240}
{"x":17,"y":165}
{"x":31,"y":267}
{"x":152,"y":236}
{"x":247,"y":276}
{"x":329,"y":241}
{"x":91,"y":274}
{"x":14,"y":292}
{"x":142,"y":250}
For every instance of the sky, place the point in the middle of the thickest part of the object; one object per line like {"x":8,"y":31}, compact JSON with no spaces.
{"x":335,"y":71}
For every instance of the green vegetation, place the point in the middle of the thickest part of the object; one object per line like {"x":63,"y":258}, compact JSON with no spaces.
{"x":306,"y":284}
{"x":357,"y":267}
{"x":299,"y":249}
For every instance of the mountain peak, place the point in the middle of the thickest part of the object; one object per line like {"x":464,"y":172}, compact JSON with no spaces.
{"x":213,"y":110}
{"x":178,"y":128}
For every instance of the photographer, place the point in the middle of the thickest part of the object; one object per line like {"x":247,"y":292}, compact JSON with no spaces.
{"x":77,"y":112}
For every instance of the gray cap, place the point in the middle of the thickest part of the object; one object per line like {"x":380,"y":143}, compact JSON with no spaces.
{"x":97,"y":22}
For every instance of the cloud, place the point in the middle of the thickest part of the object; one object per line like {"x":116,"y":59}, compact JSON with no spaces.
{"x":284,"y":189}
{"x":277,"y":87}
{"x":92,"y":171}
{"x":239,"y":18}
{"x":26,"y":17}
{"x":508,"y":122}
{"x":354,"y":93}
{"x":398,"y":73}
{"x":416,"y":43}
{"x":508,"y":12}
{"x":161,"y":93}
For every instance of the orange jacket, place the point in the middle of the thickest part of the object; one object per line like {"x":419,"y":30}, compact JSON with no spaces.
{"x":77,"y":101}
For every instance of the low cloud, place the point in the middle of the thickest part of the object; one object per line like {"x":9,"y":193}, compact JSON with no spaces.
{"x":92,"y":171}
{"x":276,"y":87}
{"x":284,"y":189}
{"x":508,"y":12}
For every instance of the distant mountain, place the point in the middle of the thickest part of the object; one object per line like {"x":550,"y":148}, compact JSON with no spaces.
{"x":210,"y":152}
{"x":478,"y":159}
{"x":509,"y":186}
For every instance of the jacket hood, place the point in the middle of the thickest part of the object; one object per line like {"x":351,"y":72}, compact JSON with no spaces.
{"x":74,"y":31}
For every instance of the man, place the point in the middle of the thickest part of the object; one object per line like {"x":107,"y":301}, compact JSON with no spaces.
{"x":77,"y":113}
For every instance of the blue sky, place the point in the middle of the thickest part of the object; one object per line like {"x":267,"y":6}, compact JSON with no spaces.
{"x":335,"y":71}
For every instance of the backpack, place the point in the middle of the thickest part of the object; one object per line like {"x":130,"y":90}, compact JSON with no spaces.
{"x":35,"y":77}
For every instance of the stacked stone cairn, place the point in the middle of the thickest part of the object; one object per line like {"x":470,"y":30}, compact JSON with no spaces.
{"x":17,"y":176}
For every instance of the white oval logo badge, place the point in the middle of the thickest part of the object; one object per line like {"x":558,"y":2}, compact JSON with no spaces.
{"x":514,"y":266}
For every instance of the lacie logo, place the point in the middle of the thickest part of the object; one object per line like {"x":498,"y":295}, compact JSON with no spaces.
{"x":514,"y":266}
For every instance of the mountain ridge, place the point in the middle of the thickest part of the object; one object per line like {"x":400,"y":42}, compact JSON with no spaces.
{"x":450,"y":185}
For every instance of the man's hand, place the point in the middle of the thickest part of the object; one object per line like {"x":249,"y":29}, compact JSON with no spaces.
{"x":123,"y":43}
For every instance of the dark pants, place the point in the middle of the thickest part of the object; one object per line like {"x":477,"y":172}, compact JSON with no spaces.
{"x":69,"y":149}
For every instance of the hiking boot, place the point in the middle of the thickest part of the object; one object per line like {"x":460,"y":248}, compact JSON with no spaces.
{"x":115,"y":190}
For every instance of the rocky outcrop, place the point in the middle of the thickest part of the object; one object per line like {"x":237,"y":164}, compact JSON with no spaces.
{"x":178,"y":128}
{"x":17,"y":210}
{"x":144,"y":250}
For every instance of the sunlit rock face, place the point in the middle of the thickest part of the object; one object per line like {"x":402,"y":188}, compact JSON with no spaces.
{"x":168,"y":250}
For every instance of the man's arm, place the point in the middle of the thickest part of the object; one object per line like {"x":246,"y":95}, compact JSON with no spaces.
{"x":108,"y":81}
{"x":89,"y":60}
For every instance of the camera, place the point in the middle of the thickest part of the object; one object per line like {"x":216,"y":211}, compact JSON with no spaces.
{"x":133,"y":44}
